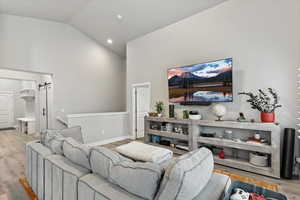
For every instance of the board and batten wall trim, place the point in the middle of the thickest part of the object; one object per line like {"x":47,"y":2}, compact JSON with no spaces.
{"x":99,"y":127}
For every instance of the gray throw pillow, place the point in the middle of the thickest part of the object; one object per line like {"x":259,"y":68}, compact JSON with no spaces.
{"x":102,"y":159}
{"x":46,"y":135}
{"x":141,"y":179}
{"x":55,"y":143}
{"x":186,"y":176}
{"x":73,"y":132}
{"x":76,"y":152}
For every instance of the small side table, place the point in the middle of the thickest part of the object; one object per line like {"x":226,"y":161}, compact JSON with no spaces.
{"x":26,"y":125}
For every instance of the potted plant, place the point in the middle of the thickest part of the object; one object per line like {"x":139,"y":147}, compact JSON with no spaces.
{"x":265,"y":103}
{"x":159,"y":107}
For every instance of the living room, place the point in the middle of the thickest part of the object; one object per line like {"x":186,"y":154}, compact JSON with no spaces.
{"x":101,"y":57}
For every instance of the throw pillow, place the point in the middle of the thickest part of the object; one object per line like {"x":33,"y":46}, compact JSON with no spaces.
{"x":76,"y":152}
{"x":73,"y":132}
{"x":186,"y":176}
{"x":102,"y":159}
{"x":141,"y":179}
{"x":55,"y":143}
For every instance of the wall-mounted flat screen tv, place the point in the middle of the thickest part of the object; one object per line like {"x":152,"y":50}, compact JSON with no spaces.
{"x":201,"y":83}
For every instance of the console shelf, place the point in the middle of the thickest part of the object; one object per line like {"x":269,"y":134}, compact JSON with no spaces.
{"x":193,"y":139}
{"x":168,"y":134}
{"x":236,"y":145}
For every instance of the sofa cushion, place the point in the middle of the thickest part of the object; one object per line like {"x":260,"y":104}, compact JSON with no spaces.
{"x":141,"y":179}
{"x":94,"y":187}
{"x":61,"y":178}
{"x":145,"y":152}
{"x":216,"y":188}
{"x":65,"y":164}
{"x":187,"y":175}
{"x":73,"y":132}
{"x":77,"y":152}
{"x":55,"y":143}
{"x":102,"y":159}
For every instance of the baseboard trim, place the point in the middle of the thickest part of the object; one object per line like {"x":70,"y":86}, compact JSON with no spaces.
{"x":108,"y":141}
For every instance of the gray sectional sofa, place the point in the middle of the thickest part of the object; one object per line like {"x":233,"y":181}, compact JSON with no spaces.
{"x":61,"y":167}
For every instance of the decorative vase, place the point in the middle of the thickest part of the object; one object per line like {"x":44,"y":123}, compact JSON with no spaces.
{"x":219,"y":111}
{"x":159,"y":114}
{"x":267,"y":117}
{"x":222,"y":155}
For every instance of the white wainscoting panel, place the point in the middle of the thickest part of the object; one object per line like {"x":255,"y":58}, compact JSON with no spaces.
{"x":100,"y":128}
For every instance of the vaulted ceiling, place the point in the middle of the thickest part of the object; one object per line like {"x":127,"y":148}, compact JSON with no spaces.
{"x":99,"y":18}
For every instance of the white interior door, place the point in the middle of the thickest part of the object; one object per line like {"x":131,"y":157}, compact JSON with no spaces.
{"x":6,"y":109}
{"x":142,"y":106}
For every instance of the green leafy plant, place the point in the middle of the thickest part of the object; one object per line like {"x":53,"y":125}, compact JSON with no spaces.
{"x":159,"y":107}
{"x":263,"y":101}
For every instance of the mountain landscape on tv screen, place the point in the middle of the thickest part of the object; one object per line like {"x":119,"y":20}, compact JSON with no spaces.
{"x":209,"y":82}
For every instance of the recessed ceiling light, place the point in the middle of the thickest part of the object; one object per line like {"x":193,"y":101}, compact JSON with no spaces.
{"x":109,"y":41}
{"x":119,"y":17}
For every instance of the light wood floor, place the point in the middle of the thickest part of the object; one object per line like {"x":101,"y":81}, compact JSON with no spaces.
{"x":12,"y":167}
{"x":12,"y":164}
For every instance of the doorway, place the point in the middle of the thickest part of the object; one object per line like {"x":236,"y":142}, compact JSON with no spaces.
{"x":38,"y":100}
{"x":141,"y":101}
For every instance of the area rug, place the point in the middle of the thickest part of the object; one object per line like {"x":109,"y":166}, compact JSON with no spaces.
{"x":236,"y":177}
{"x":28,"y":189}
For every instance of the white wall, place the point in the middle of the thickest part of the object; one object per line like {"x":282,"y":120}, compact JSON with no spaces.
{"x":262,"y":36}
{"x":87,"y":77}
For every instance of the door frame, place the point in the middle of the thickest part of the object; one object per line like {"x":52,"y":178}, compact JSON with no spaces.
{"x":37,"y":77}
{"x":133,"y":105}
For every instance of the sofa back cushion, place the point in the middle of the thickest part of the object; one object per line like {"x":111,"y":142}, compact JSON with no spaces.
{"x":186,"y":176}
{"x":102,"y":159}
{"x":73,"y":132}
{"x":76,"y":152}
{"x":140,"y":179}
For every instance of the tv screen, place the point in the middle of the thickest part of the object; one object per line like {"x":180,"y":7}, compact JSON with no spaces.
{"x":205,"y":82}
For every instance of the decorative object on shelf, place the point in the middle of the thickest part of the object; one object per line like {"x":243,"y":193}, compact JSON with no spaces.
{"x":228,"y":134}
{"x":154,"y":126}
{"x":156,"y":139}
{"x":265,"y":103}
{"x":241,"y":117}
{"x":178,"y":129}
{"x":206,"y":134}
{"x":165,"y":142}
{"x":169,"y":127}
{"x":185,"y":114}
{"x":235,"y":153}
{"x":194,"y":115}
{"x":219,"y":111}
{"x":159,"y":107}
{"x":258,"y":159}
{"x":172,"y":111}
{"x":257,"y":136}
{"x":152,"y":114}
{"x":222,"y":155}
